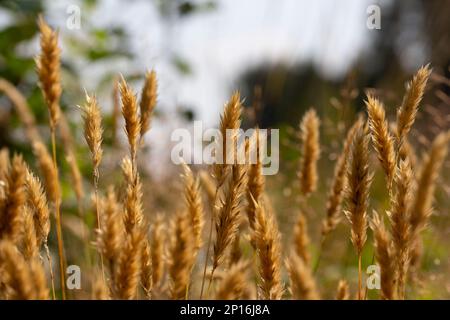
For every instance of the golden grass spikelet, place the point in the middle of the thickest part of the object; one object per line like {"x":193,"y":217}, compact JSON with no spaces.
{"x":131,"y":116}
{"x":48,"y":69}
{"x":111,"y":235}
{"x":209,"y":186}
{"x":37,"y":202}
{"x":181,"y":256}
{"x":11,"y":210}
{"x":75,"y":174}
{"x":256,"y":181}
{"x":99,"y":290}
{"x":146,"y":275}
{"x":339,"y":183}
{"x":193,"y":200}
{"x":381,"y":137}
{"x":229,"y":120}
{"x":133,"y":200}
{"x":51,"y":182}
{"x":343,"y":291}
{"x":301,"y":239}
{"x":302,"y":283}
{"x":130,"y":264}
{"x":235,"y":251}
{"x":407,"y":111}
{"x":399,"y":218}
{"x":426,"y":183}
{"x":309,"y":136}
{"x":268,"y":248}
{"x":234,"y":284}
{"x":229,"y":218}
{"x":384,"y":256}
{"x":23,"y":281}
{"x":93,"y":131}
{"x":157,"y":240}
{"x":39,"y":279}
{"x":30,"y":249}
{"x":148,"y":101}
{"x":359,"y":180}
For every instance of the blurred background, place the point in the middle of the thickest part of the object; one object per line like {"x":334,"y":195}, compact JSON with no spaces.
{"x":284,"y":56}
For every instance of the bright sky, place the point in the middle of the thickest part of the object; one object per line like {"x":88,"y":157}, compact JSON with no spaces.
{"x":221,"y":44}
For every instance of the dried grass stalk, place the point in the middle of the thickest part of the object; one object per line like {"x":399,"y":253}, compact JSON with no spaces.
{"x":430,"y":167}
{"x":381,"y":137}
{"x":407,"y":111}
{"x":399,"y":217}
{"x":301,"y":239}
{"x":157,"y":240}
{"x":229,"y":120}
{"x":93,"y":130}
{"x":131,"y":116}
{"x":255,"y":183}
{"x":228,"y":219}
{"x":48,"y":69}
{"x":234,"y":285}
{"x":11,"y":209}
{"x":146,"y":275}
{"x":384,"y":256}
{"x":309,"y":136}
{"x":181,"y":257}
{"x":194,"y":205}
{"x":339,"y":183}
{"x":51,"y":182}
{"x":133,"y":201}
{"x":23,"y":281}
{"x":148,"y":101}
{"x":130,"y":264}
{"x":303,"y":285}
{"x":268,"y":248}
{"x":359,"y":180}
{"x":111,"y":234}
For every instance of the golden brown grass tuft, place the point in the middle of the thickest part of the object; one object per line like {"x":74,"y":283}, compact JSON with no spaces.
{"x":229,"y":215}
{"x":302,"y":283}
{"x":133,"y":199}
{"x":407,"y":111}
{"x":383,"y":253}
{"x":268,"y":248}
{"x":111,"y":234}
{"x":255,"y":183}
{"x":11,"y":208}
{"x":229,"y":120}
{"x":430,"y":167}
{"x":48,"y":69}
{"x":194,"y":205}
{"x":339,"y":183}
{"x":309,"y":136}
{"x":129,"y":270}
{"x":131,"y":116}
{"x":148,"y":101}
{"x":157,"y":239}
{"x":234,"y":285}
{"x":24,"y":281}
{"x":93,"y":130}
{"x":301,"y":239}
{"x":359,"y":180}
{"x":181,"y":257}
{"x":381,"y":137}
{"x":51,"y":181}
{"x":401,"y":230}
